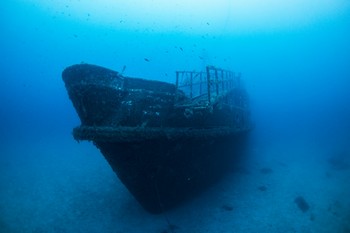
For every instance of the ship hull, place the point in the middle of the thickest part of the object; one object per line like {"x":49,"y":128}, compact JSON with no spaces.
{"x":164,"y":146}
{"x":162,"y":173}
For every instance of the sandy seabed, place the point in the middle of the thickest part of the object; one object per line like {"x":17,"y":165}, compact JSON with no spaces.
{"x":59,"y":185}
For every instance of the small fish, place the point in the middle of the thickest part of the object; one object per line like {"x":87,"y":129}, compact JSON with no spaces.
{"x":146,"y":59}
{"x":181,"y":49}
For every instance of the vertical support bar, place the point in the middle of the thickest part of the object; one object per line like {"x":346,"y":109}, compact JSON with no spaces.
{"x":191,"y":85}
{"x":222,"y":81}
{"x":208,"y":83}
{"x":177,"y":87}
{"x":200,"y":83}
{"x":239,"y":87}
{"x":217,"y":82}
{"x":177,"y":80}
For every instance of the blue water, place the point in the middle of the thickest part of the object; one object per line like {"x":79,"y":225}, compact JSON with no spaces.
{"x":297,"y":74}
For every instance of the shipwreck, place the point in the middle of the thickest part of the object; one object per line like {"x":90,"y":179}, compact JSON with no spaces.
{"x":166,"y":142}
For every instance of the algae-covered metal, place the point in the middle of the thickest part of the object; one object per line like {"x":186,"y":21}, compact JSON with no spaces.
{"x":165,"y":141}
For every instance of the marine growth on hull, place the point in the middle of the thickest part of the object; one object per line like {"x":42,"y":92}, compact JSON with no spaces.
{"x":164,"y":141}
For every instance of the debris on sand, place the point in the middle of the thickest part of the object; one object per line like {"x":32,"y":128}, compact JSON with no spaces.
{"x":227,"y":207}
{"x":266,"y":170}
{"x":302,"y":204}
{"x":340,"y":161}
{"x":262,"y":188}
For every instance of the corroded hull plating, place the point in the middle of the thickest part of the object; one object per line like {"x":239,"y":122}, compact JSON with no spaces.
{"x":164,"y":147}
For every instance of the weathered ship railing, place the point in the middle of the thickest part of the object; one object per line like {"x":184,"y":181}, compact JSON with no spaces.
{"x":207,"y":86}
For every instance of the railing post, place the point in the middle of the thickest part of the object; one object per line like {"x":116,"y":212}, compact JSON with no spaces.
{"x":216,"y":82}
{"x":191,"y":85}
{"x":222,"y":81}
{"x":208,"y":83}
{"x":177,"y":80}
{"x":177,"y":87}
{"x":187,"y":81}
{"x":200,"y":83}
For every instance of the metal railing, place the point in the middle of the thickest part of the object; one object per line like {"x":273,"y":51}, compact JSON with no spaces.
{"x":207,"y":85}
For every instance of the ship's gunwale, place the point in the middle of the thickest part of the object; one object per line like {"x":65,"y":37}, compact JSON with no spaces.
{"x":138,"y":134}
